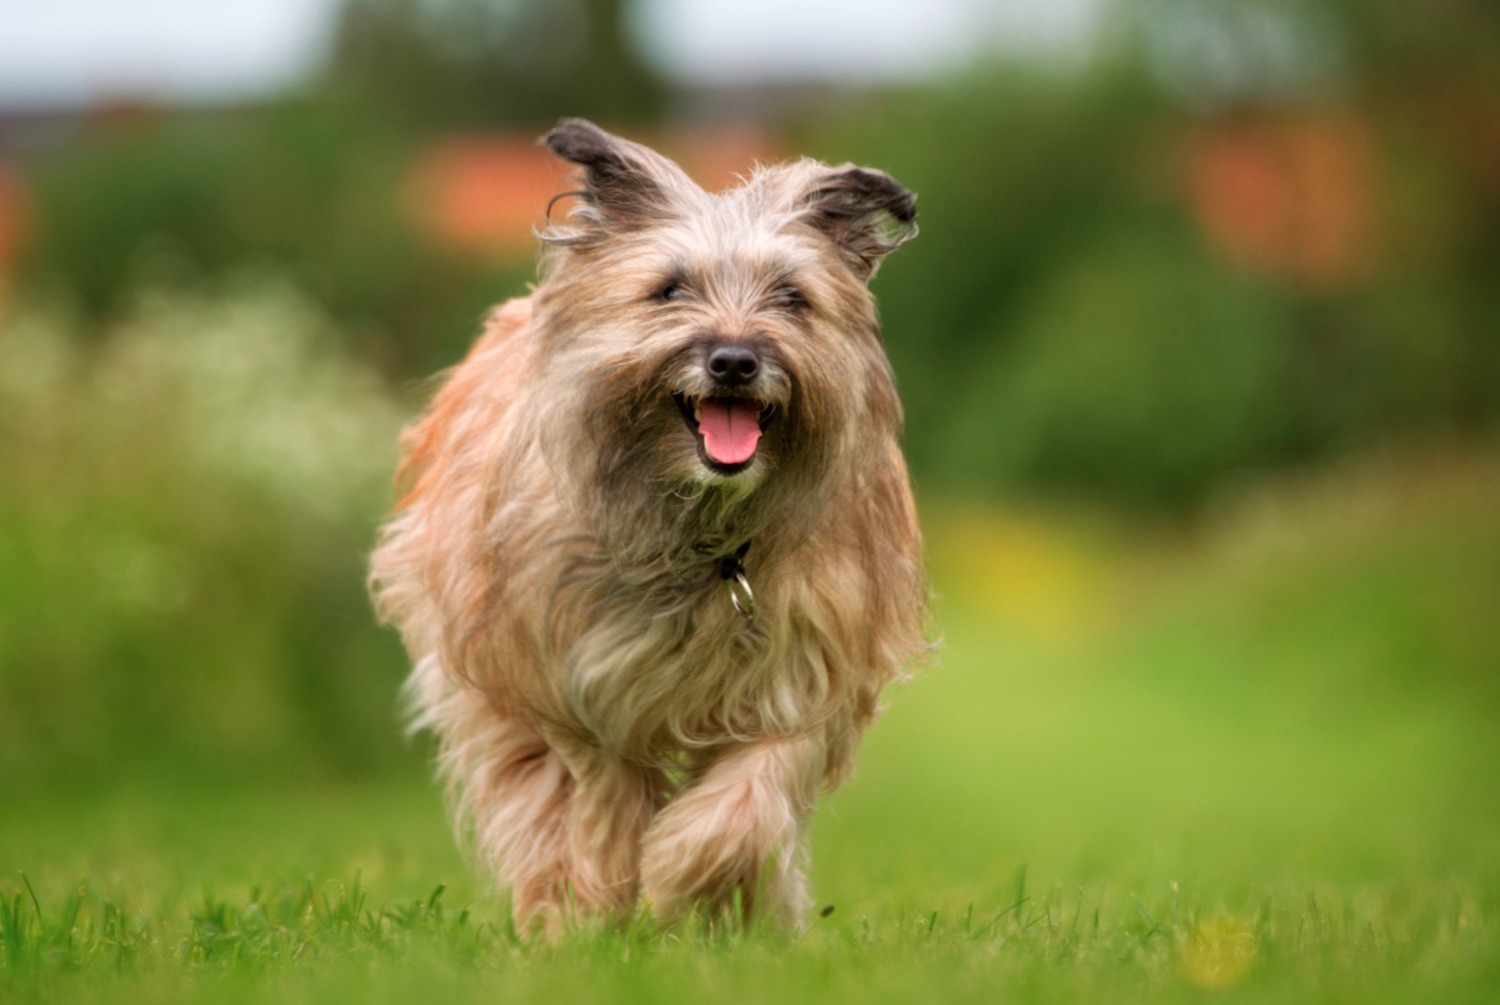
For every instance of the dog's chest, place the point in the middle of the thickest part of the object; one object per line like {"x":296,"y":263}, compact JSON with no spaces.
{"x":650,"y":683}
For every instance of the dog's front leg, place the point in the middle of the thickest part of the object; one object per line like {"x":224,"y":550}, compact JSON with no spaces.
{"x":738,"y":828}
{"x":611,"y":806}
{"x":560,"y":821}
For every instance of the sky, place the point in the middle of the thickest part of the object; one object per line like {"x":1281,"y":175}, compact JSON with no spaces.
{"x":65,"y":53}
{"x":731,"y":41}
{"x":70,"y":52}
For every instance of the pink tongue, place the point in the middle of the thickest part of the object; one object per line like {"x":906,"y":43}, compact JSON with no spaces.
{"x":730,"y":428}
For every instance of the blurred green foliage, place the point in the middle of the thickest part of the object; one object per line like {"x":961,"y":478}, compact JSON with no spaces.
{"x":1063,"y":323}
{"x":181,"y":546}
{"x":299,"y":188}
{"x":465,"y":64}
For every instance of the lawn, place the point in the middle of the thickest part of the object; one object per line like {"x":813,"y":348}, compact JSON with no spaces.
{"x":1251,"y":760}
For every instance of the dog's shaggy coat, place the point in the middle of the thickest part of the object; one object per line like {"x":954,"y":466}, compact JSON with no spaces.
{"x":610,"y":726}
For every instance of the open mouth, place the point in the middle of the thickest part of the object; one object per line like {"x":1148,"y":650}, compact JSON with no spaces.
{"x":728,"y":430}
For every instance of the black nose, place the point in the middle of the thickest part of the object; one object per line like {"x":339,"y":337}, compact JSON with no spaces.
{"x":733,"y":365}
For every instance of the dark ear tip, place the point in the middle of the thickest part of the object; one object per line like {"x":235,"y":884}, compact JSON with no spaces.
{"x":579,"y":141}
{"x":904,"y":208}
{"x":897,"y":199}
{"x":876,"y":189}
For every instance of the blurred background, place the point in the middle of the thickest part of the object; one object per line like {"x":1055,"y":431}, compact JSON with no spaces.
{"x":1199,"y":347}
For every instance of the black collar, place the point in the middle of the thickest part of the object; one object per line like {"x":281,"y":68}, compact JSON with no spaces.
{"x":731,"y":566}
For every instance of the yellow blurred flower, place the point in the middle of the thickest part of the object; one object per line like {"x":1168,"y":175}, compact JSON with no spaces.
{"x":1219,"y":952}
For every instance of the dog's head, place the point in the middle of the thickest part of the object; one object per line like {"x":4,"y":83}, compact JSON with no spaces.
{"x":718,"y":343}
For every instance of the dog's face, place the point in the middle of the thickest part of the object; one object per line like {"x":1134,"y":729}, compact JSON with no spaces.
{"x":723,"y":342}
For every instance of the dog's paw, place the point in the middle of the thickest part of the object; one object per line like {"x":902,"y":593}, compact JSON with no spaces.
{"x":721,"y":846}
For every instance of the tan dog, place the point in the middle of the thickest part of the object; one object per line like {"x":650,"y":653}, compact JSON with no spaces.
{"x":657,"y":554}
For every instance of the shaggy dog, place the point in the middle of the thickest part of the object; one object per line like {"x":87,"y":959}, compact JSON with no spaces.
{"x":656,"y":554}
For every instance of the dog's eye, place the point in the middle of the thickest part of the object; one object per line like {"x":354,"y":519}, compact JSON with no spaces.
{"x":788,"y":298}
{"x":670,"y":292}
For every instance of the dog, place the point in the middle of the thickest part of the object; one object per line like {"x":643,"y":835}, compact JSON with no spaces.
{"x":656,"y":553}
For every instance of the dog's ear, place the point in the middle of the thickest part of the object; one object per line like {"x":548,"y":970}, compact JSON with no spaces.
{"x":865,"y":212}
{"x":625,"y":185}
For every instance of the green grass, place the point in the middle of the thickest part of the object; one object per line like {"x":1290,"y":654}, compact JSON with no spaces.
{"x":1257,"y":763}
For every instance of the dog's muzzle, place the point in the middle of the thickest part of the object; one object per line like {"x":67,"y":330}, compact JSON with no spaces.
{"x":725,"y":410}
{"x":727,"y":428}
